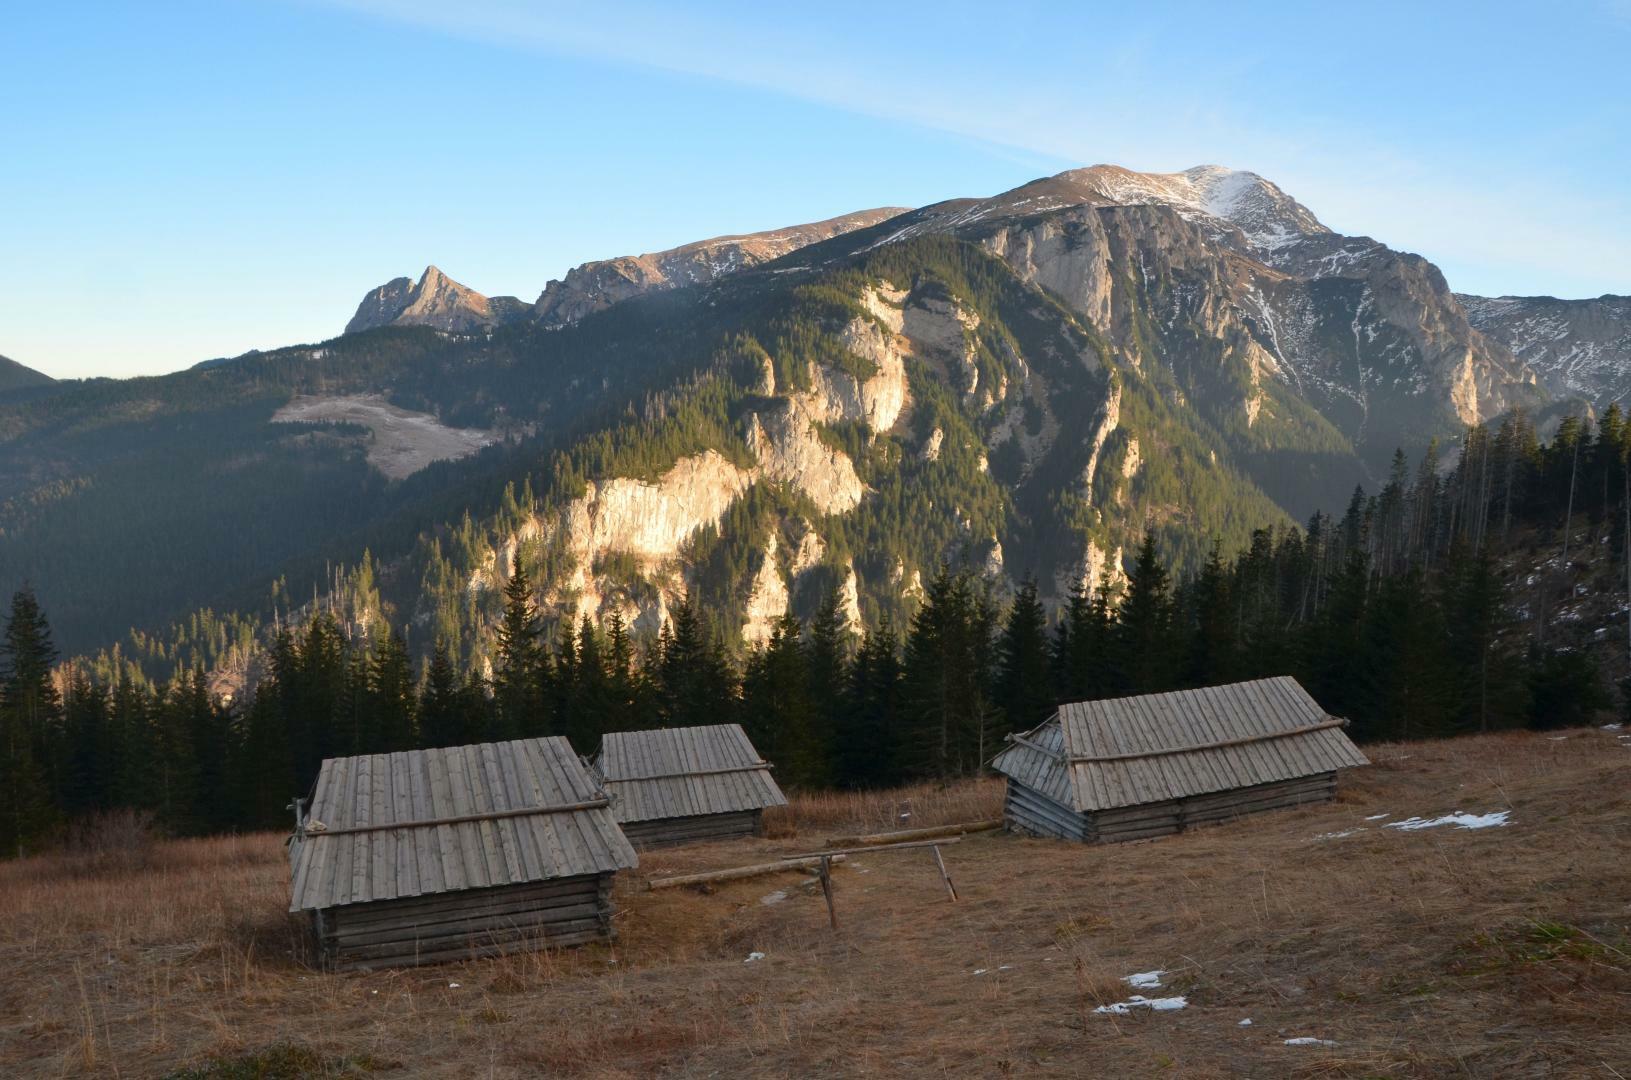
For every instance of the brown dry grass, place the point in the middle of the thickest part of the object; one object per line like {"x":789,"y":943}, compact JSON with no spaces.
{"x":1500,"y":952}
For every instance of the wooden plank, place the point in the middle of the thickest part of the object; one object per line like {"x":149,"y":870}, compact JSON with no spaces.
{"x":426,"y":856}
{"x":736,"y":872}
{"x":360,"y":852}
{"x":544,"y":830}
{"x":509,"y":839}
{"x":470,"y":842}
{"x":917,"y":834}
{"x":877,"y":848}
{"x":447,"y":837}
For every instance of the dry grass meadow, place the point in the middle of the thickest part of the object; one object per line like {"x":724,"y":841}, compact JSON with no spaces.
{"x":1433,"y":953}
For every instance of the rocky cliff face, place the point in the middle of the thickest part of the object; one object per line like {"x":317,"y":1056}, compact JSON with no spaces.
{"x":595,"y":286}
{"x":1577,"y":348}
{"x":1371,"y":337}
{"x":435,"y":300}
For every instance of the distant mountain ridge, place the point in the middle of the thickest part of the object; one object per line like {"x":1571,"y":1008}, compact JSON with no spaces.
{"x":438,"y":301}
{"x":1021,"y":383}
{"x":595,"y":286}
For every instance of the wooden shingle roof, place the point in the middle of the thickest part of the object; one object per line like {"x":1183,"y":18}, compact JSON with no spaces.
{"x":383,"y":826}
{"x":1097,"y":755}
{"x":684,"y":772}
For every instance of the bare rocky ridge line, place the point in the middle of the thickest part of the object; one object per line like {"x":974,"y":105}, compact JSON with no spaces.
{"x":438,"y":301}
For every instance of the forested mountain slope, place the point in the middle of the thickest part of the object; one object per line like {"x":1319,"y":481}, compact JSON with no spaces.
{"x":1020,"y":384}
{"x":15,"y":376}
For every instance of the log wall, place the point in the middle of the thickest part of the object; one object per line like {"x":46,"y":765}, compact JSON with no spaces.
{"x":1030,"y":812}
{"x":667,"y":832}
{"x":460,"y":925}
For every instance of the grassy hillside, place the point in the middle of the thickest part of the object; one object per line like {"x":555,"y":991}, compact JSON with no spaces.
{"x":1419,"y":953}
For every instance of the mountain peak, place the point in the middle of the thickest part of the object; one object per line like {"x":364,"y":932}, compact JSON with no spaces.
{"x":435,"y":300}
{"x":1269,"y":218}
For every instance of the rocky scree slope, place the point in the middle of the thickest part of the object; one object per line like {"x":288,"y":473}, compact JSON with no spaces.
{"x":1577,"y":348}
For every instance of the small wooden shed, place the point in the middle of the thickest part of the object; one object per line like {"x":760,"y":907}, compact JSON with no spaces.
{"x":463,"y":851}
{"x":676,"y":785}
{"x":1136,"y":767}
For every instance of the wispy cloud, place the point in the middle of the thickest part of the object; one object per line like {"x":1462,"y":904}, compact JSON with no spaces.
{"x":1050,"y":90}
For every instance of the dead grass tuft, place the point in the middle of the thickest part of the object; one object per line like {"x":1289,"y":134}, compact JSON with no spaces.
{"x":920,"y":806}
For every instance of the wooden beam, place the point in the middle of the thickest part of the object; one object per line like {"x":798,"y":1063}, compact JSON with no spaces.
{"x":876,"y":847}
{"x":736,"y":872}
{"x":1087,"y":759}
{"x":918,"y":834}
{"x":755,"y":767}
{"x":938,"y":861}
{"x":826,"y":889}
{"x":1038,"y":747}
{"x":313,"y":831}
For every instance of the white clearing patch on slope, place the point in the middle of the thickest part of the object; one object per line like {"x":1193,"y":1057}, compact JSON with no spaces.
{"x":403,"y":441}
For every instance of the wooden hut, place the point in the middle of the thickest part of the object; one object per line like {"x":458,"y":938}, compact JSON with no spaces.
{"x":676,"y":785}
{"x":433,"y":855}
{"x":1136,"y":767}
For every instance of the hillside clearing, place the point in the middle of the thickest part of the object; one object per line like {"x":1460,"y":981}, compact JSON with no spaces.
{"x":1353,"y":949}
{"x":402,"y":442}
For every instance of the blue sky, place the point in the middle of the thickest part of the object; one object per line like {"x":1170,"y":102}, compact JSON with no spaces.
{"x":187,"y":180}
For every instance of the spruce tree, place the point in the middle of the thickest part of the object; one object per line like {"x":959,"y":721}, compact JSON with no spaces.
{"x":827,"y":658}
{"x":518,"y":676}
{"x":777,"y":709}
{"x":1024,"y":687}
{"x":441,"y":708}
{"x":32,"y":770}
{"x":390,"y":699}
{"x":869,"y":751}
{"x":1144,"y":644}
{"x":1212,"y":625}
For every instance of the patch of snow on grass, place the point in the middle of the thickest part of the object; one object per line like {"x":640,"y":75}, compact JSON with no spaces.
{"x":1339,"y":835}
{"x":1376,"y":817}
{"x":1612,"y":727}
{"x":1144,"y":980}
{"x":1493,"y":819}
{"x":1245,"y":1023}
{"x":752,"y":956}
{"x":1306,"y":1040}
{"x":1122,"y":1008}
{"x":773,"y":898}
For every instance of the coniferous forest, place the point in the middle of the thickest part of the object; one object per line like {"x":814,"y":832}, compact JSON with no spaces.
{"x":1402,"y":615}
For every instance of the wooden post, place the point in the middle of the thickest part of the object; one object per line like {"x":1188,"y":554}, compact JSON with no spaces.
{"x":938,"y":861}
{"x":826,"y":889}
